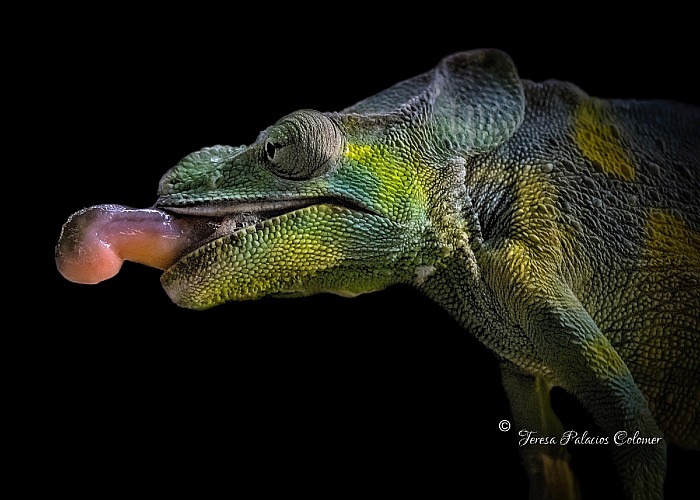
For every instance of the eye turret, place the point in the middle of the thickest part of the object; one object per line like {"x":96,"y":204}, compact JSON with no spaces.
{"x":302,"y":145}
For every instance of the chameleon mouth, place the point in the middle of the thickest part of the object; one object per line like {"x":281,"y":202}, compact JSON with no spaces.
{"x":217,"y":220}
{"x":95,"y":241}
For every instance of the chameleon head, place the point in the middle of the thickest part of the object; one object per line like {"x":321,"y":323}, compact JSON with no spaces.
{"x":347,"y":202}
{"x":318,"y":203}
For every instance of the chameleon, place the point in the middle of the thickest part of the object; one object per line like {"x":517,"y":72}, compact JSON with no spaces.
{"x":560,"y":229}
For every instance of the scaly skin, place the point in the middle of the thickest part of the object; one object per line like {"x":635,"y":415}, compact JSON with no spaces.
{"x":561,"y":230}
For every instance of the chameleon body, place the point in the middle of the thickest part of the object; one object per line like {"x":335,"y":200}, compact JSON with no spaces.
{"x":561,"y":230}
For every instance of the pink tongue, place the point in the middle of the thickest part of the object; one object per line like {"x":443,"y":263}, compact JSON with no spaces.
{"x":95,"y":241}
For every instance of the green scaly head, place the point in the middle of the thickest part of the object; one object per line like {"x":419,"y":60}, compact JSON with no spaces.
{"x":348,"y":202}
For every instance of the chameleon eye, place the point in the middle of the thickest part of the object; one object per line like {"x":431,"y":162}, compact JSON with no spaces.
{"x":302,"y":145}
{"x":270,"y":150}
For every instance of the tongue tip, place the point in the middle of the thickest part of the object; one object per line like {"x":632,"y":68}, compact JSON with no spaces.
{"x":80,"y":255}
{"x":88,"y":266}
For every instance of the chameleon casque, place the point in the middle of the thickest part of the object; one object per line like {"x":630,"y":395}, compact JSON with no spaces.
{"x":561,"y":230}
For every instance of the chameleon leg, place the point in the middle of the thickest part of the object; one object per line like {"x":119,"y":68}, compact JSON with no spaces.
{"x":586,"y":364}
{"x":571,"y":346}
{"x":547,"y":466}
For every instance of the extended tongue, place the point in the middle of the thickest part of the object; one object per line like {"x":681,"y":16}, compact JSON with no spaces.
{"x":95,"y":241}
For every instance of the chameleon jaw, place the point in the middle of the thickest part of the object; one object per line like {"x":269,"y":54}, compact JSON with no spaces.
{"x":285,"y":252}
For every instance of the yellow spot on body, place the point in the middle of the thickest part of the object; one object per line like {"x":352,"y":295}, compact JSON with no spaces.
{"x":671,"y":240}
{"x":289,"y":252}
{"x":365,"y":153}
{"x":603,"y":358}
{"x":662,"y":303}
{"x":381,"y":160}
{"x":598,"y":139}
{"x":534,"y":222}
{"x":397,"y":184}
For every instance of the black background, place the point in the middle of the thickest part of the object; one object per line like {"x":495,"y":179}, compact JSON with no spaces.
{"x":382,"y":394}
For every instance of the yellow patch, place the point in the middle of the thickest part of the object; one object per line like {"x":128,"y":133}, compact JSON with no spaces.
{"x":602,"y":357}
{"x":671,"y":240}
{"x":598,"y":139}
{"x":366,"y":153}
{"x":391,"y":178}
{"x":381,"y":160}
